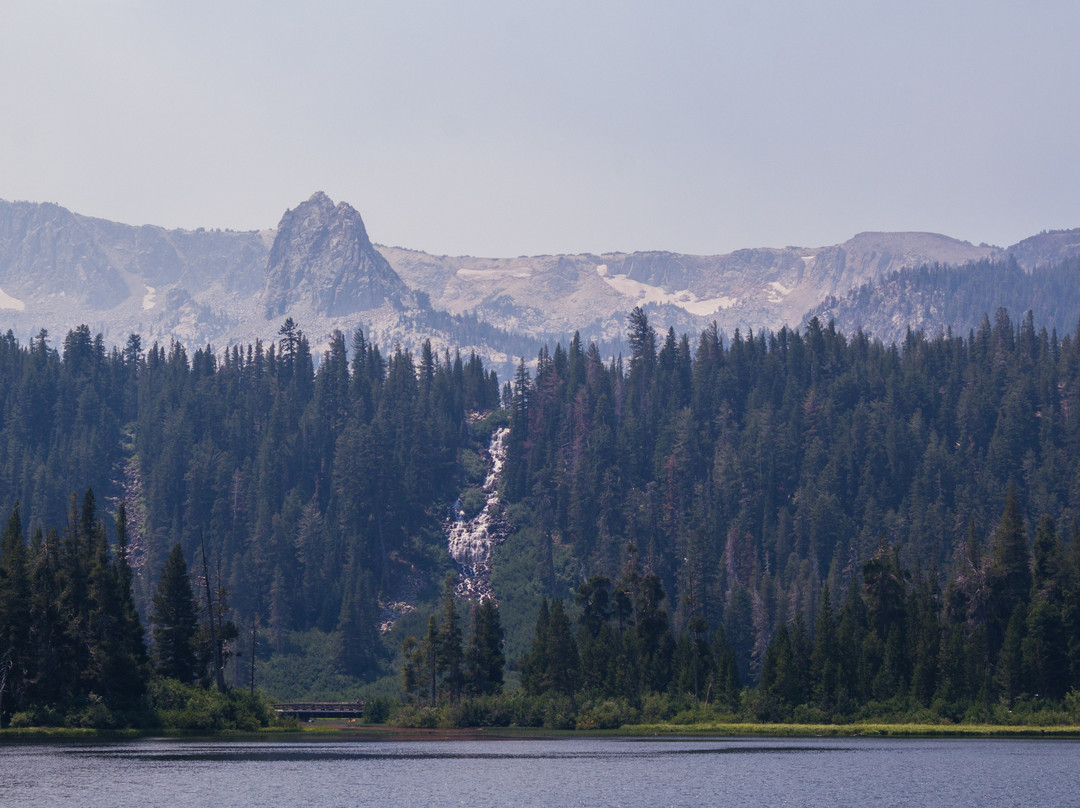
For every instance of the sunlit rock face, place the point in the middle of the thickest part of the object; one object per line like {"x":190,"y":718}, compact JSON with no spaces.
{"x":323,"y":259}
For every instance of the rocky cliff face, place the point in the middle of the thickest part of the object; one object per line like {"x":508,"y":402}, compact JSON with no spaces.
{"x":323,"y":261}
{"x":47,"y":251}
{"x":59,"y":269}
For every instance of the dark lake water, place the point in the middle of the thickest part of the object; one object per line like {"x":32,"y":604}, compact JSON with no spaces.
{"x":570,"y":772}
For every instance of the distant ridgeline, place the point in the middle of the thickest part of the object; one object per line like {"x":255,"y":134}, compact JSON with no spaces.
{"x":938,"y":297}
{"x":798,"y":499}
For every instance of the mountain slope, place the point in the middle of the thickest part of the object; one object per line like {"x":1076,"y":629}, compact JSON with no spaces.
{"x":59,"y":269}
{"x":939,"y":297}
{"x":759,"y":288}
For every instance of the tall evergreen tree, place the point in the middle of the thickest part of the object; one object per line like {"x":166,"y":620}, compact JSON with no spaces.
{"x":484,"y":658}
{"x":561,"y":672}
{"x":14,"y":617}
{"x":1009,"y":574}
{"x":450,"y":650}
{"x":174,"y":620}
{"x":358,"y":641}
{"x":129,"y":667}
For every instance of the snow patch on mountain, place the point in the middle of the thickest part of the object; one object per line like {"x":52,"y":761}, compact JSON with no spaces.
{"x":779,"y":292}
{"x":494,"y":272}
{"x":644,"y":293}
{"x":9,"y":302}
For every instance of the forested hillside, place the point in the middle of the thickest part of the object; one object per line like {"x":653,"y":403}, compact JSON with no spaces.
{"x":935,"y":297}
{"x":749,"y":476}
{"x":318,"y":494}
{"x":748,"y":498}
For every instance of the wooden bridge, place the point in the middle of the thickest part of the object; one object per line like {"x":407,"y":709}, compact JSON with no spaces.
{"x":305,"y":710}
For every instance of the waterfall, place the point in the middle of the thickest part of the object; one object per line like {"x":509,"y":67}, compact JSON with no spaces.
{"x":470,"y":541}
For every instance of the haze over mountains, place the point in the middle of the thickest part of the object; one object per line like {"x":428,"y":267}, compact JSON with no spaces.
{"x":59,"y":269}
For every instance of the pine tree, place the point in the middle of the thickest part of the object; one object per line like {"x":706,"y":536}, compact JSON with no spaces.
{"x":358,"y":641}
{"x":561,"y":672}
{"x":724,"y":684}
{"x":46,"y":680}
{"x":429,"y":652}
{"x":1010,"y":667}
{"x":780,"y":689}
{"x":117,"y":658}
{"x":1045,"y":645}
{"x":130,"y":665}
{"x":1009,"y":575}
{"x":450,"y":636}
{"x":412,"y":669}
{"x":484,"y":659}
{"x":825,"y":656}
{"x":14,"y":617}
{"x":655,"y":643}
{"x":535,"y":663}
{"x":174,"y":620}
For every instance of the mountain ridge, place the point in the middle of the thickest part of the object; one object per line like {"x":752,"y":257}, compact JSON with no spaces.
{"x":319,"y":266}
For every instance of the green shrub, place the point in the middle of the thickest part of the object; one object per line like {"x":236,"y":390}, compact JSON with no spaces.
{"x":525,"y":711}
{"x":660,"y":707}
{"x":92,"y":715}
{"x":411,"y":715}
{"x":559,"y":714}
{"x":191,"y":707}
{"x":377,"y":710}
{"x":695,"y":714}
{"x":472,"y":501}
{"x":1072,"y":705}
{"x":472,"y":466}
{"x":808,"y":714}
{"x":37,"y":716}
{"x":607,"y":714}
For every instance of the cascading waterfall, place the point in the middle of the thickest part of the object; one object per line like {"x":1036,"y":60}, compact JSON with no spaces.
{"x":470,"y":541}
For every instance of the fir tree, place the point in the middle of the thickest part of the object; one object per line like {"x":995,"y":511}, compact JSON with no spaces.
{"x":174,"y":620}
{"x":484,"y":659}
{"x":14,"y":617}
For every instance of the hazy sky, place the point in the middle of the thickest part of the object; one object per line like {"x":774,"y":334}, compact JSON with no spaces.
{"x":504,"y":128}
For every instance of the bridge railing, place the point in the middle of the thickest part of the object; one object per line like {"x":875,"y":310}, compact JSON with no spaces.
{"x":321,"y":709}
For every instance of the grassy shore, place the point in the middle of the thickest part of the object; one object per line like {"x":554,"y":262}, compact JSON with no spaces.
{"x":712,"y":729}
{"x":717,"y":730}
{"x":869,"y":730}
{"x":65,"y":733}
{"x":89,"y":733}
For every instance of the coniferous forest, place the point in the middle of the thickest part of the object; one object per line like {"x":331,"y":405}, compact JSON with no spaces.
{"x":794,"y":525}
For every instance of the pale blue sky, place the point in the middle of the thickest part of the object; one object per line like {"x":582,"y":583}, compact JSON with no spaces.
{"x":504,"y":128}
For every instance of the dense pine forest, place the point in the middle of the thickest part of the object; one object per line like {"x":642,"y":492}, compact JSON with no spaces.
{"x":313,"y":493}
{"x":793,"y":524}
{"x":859,"y":522}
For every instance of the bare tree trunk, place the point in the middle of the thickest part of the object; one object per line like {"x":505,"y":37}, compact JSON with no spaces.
{"x":253,"y":653}
{"x":219,"y":675}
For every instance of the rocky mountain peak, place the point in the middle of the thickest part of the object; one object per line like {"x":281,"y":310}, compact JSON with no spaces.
{"x":323,"y":260}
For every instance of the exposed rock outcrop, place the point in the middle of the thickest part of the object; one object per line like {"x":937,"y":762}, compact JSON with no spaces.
{"x":322,"y":260}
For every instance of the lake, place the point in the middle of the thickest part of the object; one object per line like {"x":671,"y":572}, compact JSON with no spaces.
{"x":543,"y":772}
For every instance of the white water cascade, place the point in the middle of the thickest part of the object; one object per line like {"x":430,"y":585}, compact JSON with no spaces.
{"x":470,"y":541}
